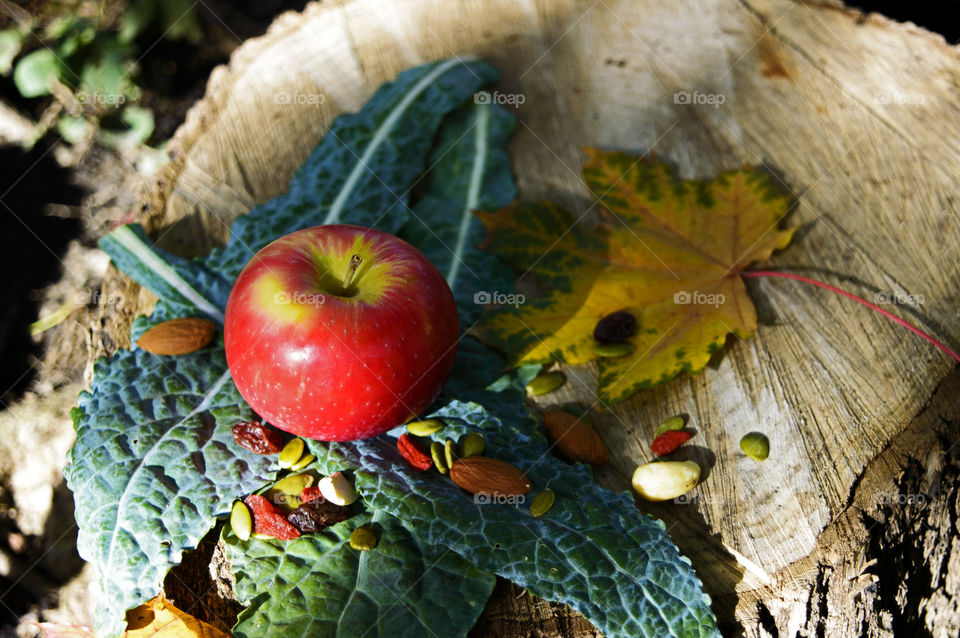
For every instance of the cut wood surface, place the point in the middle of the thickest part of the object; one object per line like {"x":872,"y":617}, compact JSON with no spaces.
{"x":855,"y":114}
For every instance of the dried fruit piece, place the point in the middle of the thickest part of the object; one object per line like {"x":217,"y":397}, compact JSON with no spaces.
{"x":303,"y":462}
{"x":240,"y":521}
{"x":415,"y":456}
{"x":483,"y":475}
{"x":472,"y":445}
{"x":364,"y":538}
{"x":178,"y":336}
{"x":664,"y":480}
{"x":545,"y":383}
{"x":436,"y":451}
{"x":257,"y":437}
{"x":542,"y":503}
{"x":291,"y":453}
{"x":311,"y":494}
{"x":268,"y":521}
{"x":669,"y":441}
{"x":450,"y":452}
{"x":673,"y":423}
{"x":575,"y":439}
{"x":316,"y":514}
{"x":615,"y":328}
{"x":426,"y":427}
{"x":337,"y":489}
{"x":612,"y":350}
{"x":755,"y":445}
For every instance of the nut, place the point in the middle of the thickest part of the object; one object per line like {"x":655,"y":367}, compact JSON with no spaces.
{"x":303,"y":462}
{"x":472,"y":445}
{"x":542,"y":503}
{"x":291,"y":453}
{"x":337,"y":489}
{"x":576,"y":440}
{"x":755,"y":445}
{"x":483,"y":475}
{"x":425,"y":428}
{"x":671,"y":424}
{"x":240,"y":521}
{"x":545,"y":383}
{"x":364,"y":538}
{"x":287,"y":491}
{"x":436,"y":451}
{"x":178,"y":336}
{"x":662,"y":481}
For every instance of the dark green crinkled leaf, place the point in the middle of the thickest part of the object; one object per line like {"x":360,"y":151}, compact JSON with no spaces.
{"x":319,"y":586}
{"x":470,"y":170}
{"x":154,"y":464}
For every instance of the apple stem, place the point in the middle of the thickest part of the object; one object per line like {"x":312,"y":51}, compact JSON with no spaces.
{"x":351,"y":271}
{"x":874,"y":307}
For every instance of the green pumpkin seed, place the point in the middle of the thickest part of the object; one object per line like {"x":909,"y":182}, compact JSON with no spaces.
{"x":472,"y":445}
{"x":436,"y":451}
{"x":291,"y":453}
{"x":542,"y":503}
{"x":450,"y":452}
{"x":755,"y":445}
{"x":363,"y":538}
{"x":240,"y":521}
{"x":425,"y":428}
{"x":545,"y":383}
{"x":302,"y":463}
{"x":673,"y":423}
{"x":612,"y":350}
{"x":293,"y":484}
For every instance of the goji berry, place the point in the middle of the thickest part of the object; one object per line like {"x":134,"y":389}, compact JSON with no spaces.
{"x":268,"y":521}
{"x":257,"y":437}
{"x":669,"y":441}
{"x":414,"y":455}
{"x":310,"y":494}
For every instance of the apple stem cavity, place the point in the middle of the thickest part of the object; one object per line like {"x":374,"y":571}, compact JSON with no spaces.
{"x":874,"y":307}
{"x":351,"y":271}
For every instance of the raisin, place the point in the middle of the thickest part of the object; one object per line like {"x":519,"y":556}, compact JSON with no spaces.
{"x":268,"y":521}
{"x":311,"y":494}
{"x":414,"y":455}
{"x":615,"y":327}
{"x":669,"y":441}
{"x":315,"y":515}
{"x":257,"y":437}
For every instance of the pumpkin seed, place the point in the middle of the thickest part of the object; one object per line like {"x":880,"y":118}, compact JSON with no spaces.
{"x":755,"y":445}
{"x":425,"y":428}
{"x":293,"y":484}
{"x":240,"y":521}
{"x":545,"y":383}
{"x":612,"y":350}
{"x":302,"y":463}
{"x":472,"y":445}
{"x":291,"y":453}
{"x":363,"y":538}
{"x":436,"y":451}
{"x":450,"y":452}
{"x":673,"y":423}
{"x":542,"y":503}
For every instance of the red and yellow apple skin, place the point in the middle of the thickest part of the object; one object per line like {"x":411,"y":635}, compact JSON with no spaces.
{"x":332,"y":364}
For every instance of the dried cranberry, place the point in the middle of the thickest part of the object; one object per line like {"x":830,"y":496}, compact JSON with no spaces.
{"x":615,"y":327}
{"x":315,"y":515}
{"x":257,"y":437}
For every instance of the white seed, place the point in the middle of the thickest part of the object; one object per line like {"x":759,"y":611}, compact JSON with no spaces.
{"x":337,"y":489}
{"x":665,"y":480}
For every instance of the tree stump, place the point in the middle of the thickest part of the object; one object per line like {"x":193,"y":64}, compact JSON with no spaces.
{"x":850,"y":527}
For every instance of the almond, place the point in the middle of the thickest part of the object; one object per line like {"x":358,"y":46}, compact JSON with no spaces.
{"x":178,"y":336}
{"x":483,"y":475}
{"x":576,"y":440}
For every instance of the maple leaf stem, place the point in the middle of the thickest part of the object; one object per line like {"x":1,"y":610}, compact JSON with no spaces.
{"x":874,"y":307}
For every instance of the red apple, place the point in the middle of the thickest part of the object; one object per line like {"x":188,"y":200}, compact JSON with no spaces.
{"x":340,"y":332}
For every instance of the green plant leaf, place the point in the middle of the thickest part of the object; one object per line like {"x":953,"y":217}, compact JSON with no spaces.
{"x":138,"y":15}
{"x":154,"y":464}
{"x":470,"y":170}
{"x":139,"y":122}
{"x":10,"y":42}
{"x":35,"y":73}
{"x":317,"y":585}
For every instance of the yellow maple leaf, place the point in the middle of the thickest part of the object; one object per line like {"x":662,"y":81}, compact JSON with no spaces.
{"x":159,"y":618}
{"x":668,"y":251}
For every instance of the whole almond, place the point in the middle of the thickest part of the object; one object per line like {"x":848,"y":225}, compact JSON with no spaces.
{"x":483,"y":475}
{"x":576,"y":440}
{"x":178,"y":336}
